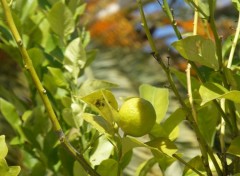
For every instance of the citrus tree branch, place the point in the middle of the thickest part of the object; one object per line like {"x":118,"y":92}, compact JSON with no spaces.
{"x":42,"y":92}
{"x":202,"y":143}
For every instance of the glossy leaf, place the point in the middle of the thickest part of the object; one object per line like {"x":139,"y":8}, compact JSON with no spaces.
{"x":108,"y":167}
{"x":212,"y":91}
{"x":198,"y":49}
{"x":61,"y":19}
{"x":234,"y":147}
{"x":159,"y":97}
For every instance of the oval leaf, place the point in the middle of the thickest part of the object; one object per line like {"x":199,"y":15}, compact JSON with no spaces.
{"x":158,"y":97}
{"x":212,"y":91}
{"x":198,"y":49}
{"x":61,"y":19}
{"x":104,"y":102}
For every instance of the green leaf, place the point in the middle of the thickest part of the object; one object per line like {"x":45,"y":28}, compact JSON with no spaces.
{"x":108,"y":167}
{"x":183,"y":80}
{"x":195,"y":162}
{"x":75,"y":57}
{"x":212,"y":91}
{"x":198,"y":49}
{"x":158,"y":97}
{"x":13,"y":171}
{"x":104,"y":102}
{"x":3,"y":147}
{"x":236,"y":4}
{"x":10,"y":113}
{"x":158,"y":145}
{"x":207,"y":120}
{"x":3,"y":167}
{"x":98,"y":123}
{"x":169,"y":128}
{"x":77,"y":169}
{"x":145,"y":167}
{"x":72,"y":116}
{"x":164,"y":145}
{"x":76,"y":7}
{"x":234,"y":147}
{"x":37,"y":57}
{"x":125,"y":159}
{"x":58,"y":77}
{"x":6,"y":170}
{"x":92,"y":85}
{"x":61,"y":19}
{"x":103,"y":151}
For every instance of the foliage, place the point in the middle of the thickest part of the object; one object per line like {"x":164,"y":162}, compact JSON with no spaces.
{"x":84,"y":112}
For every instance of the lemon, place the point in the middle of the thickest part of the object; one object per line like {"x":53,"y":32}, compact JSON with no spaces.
{"x":137,"y":117}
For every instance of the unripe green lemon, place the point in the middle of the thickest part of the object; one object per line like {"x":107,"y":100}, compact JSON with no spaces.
{"x":137,"y":117}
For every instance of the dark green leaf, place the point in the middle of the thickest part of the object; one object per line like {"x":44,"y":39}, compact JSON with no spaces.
{"x":234,"y":147}
{"x":207,"y":120}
